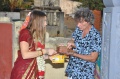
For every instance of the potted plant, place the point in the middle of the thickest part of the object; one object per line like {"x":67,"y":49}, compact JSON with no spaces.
{"x":96,"y":6}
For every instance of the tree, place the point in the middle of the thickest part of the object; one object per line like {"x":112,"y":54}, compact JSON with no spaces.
{"x":92,"y":4}
{"x":4,"y":5}
{"x":11,"y":5}
{"x":15,"y":3}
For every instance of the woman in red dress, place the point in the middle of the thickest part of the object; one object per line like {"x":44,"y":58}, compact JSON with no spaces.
{"x":25,"y":66}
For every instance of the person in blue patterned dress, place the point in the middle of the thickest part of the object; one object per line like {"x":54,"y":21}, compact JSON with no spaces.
{"x":86,"y":46}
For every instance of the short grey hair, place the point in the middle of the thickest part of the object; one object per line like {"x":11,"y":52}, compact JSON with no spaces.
{"x":84,"y":13}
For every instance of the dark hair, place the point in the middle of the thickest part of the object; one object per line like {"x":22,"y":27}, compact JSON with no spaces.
{"x":36,"y":25}
{"x":84,"y":14}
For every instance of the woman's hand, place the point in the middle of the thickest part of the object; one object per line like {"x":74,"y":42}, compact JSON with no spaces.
{"x":62,"y":49}
{"x":68,"y":52}
{"x":70,"y":44}
{"x":51,"y":51}
{"x":51,"y":58}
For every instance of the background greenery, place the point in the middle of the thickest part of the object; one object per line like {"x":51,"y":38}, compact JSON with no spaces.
{"x":15,"y":5}
{"x":92,"y":4}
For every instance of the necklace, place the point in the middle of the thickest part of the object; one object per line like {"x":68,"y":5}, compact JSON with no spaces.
{"x":41,"y":65}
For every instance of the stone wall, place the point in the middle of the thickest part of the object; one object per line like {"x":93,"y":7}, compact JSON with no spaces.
{"x":40,"y":3}
{"x":110,"y":55}
{"x":12,"y":15}
{"x":67,"y":6}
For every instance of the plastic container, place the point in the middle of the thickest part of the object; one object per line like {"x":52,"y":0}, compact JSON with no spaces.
{"x":58,"y":58}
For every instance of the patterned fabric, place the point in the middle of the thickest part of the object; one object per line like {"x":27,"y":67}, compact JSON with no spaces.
{"x":69,"y":77}
{"x":78,"y":68}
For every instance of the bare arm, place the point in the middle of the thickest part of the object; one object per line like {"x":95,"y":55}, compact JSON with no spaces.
{"x":26,"y":53}
{"x":92,"y":57}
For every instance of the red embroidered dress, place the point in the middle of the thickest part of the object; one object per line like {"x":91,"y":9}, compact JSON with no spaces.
{"x":25,"y":68}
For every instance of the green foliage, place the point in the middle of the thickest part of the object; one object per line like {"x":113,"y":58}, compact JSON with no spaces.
{"x":26,"y":5}
{"x":19,"y":3}
{"x":15,"y":4}
{"x":4,"y":5}
{"x":92,"y":4}
{"x":11,"y":5}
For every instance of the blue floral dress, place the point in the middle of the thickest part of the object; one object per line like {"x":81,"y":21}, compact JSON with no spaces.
{"x":78,"y":68}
